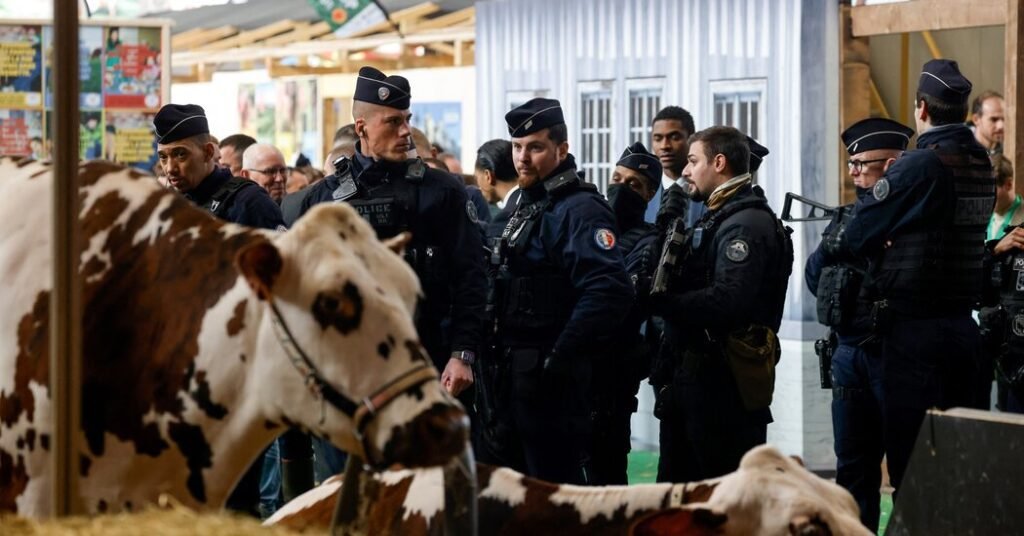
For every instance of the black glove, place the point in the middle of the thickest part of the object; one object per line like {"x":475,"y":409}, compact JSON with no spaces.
{"x":673,"y":205}
{"x":833,"y":243}
{"x":663,"y":402}
{"x":556,"y":372}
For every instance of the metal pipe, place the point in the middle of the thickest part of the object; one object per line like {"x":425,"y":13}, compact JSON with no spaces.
{"x":65,"y":300}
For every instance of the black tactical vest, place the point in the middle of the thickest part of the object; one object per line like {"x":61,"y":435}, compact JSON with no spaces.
{"x":699,"y":269}
{"x":219,"y":203}
{"x":842,"y":301}
{"x":534,"y":300}
{"x":388,"y":203}
{"x":1005,"y":323}
{"x":934,"y":271}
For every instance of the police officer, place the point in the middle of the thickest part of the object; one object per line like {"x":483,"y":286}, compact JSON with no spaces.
{"x":186,"y":152}
{"x":561,"y":285}
{"x":722,"y":309}
{"x":1002,"y":322}
{"x":618,"y":372}
{"x":397,"y":194}
{"x":923,"y":230}
{"x":856,"y":363}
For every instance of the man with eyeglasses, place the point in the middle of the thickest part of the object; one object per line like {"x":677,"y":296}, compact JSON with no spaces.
{"x":874,"y":145}
{"x":186,"y":152}
{"x":263,"y":164}
{"x":923,"y":231}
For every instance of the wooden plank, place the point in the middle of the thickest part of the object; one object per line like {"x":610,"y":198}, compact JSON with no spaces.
{"x":855,"y":94}
{"x":904,"y":79}
{"x":207,"y":36}
{"x":299,"y":34}
{"x":250,"y":36}
{"x":65,"y":320}
{"x":400,"y":17}
{"x":1013,"y":92}
{"x":466,"y":16}
{"x":876,"y":100}
{"x":933,"y":47}
{"x":919,"y":15}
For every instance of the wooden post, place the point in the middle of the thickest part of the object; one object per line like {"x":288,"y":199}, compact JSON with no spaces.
{"x":904,"y":78}
{"x":65,"y":300}
{"x":855,"y":92}
{"x":1013,"y":95}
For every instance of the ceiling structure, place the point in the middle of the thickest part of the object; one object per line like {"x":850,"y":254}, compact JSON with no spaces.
{"x":287,"y":37}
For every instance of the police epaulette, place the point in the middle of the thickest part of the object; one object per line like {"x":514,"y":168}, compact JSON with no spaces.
{"x":415,"y":170}
{"x":562,"y":182}
{"x":341,"y":164}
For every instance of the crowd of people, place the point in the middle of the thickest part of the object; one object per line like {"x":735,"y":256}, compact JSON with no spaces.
{"x":546,"y":303}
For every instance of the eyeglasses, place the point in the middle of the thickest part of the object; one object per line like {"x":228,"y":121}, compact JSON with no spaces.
{"x":282,"y":171}
{"x":858,"y":165}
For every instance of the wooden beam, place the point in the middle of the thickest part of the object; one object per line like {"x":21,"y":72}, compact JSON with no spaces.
{"x":854,"y":91}
{"x":299,"y":34}
{"x":400,"y":17}
{"x":187,"y":34}
{"x":1013,"y":76}
{"x":904,"y":79}
{"x":876,"y":100}
{"x":466,"y":16}
{"x":206,"y":36}
{"x":933,"y":47}
{"x":443,"y":48}
{"x":919,"y":15}
{"x":249,"y":36}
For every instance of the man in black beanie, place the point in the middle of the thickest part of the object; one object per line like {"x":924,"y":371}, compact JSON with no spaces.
{"x":187,"y":152}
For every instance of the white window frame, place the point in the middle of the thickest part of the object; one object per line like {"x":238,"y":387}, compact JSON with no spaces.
{"x":596,"y":157}
{"x":642,"y":132}
{"x":738,"y":88}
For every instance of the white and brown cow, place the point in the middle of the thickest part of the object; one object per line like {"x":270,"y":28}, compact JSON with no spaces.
{"x":187,"y":372}
{"x":770,"y":494}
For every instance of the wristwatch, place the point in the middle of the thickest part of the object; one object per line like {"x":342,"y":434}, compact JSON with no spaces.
{"x":465,"y":356}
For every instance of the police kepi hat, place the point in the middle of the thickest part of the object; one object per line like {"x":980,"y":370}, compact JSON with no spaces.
{"x":876,"y":133}
{"x":535,"y":115}
{"x":757,"y":154}
{"x":376,"y":87}
{"x":638,"y":158}
{"x":175,"y":122}
{"x":942,"y":79}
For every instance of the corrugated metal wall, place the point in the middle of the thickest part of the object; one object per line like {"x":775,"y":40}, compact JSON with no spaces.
{"x":554,"y":46}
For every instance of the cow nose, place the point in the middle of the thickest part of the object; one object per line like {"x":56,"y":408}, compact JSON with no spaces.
{"x":432,"y":438}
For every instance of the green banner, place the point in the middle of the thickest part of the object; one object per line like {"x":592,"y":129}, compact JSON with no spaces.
{"x":337,"y":13}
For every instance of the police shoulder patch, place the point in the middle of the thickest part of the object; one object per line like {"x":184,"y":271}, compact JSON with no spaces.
{"x":471,"y":212}
{"x":737,"y":250}
{"x":881,"y":190}
{"x":605,"y":239}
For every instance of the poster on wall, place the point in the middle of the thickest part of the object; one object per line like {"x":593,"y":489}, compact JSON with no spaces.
{"x":90,"y":66}
{"x":21,"y":133}
{"x":129,"y":139}
{"x":283,"y":113}
{"x":295,"y":121}
{"x":21,"y":66}
{"x":441,"y":122}
{"x":131,"y":74}
{"x":256,"y":110}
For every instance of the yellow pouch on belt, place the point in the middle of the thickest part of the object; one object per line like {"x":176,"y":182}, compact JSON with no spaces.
{"x":752,"y":353}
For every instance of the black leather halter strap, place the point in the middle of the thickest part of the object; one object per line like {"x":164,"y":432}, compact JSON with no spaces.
{"x":361,"y":412}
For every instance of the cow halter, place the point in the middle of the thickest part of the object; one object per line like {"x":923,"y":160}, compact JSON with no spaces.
{"x":362,"y":412}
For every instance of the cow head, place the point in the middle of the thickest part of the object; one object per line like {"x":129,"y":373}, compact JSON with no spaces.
{"x":337,"y":351}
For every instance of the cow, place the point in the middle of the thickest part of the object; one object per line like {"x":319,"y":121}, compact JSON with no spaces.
{"x":768,"y":494}
{"x":202,"y":341}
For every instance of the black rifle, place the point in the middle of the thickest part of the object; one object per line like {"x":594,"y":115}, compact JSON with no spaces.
{"x":671,"y":256}
{"x":816,"y":212}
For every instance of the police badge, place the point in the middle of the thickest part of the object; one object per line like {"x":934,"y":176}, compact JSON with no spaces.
{"x":383,"y":93}
{"x":737,"y":251}
{"x":471,"y":212}
{"x":881,"y":190}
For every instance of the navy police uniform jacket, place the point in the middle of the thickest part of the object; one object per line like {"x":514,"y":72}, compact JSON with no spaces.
{"x":924,"y":224}
{"x":248,"y":203}
{"x":575,"y":238}
{"x":444,"y":219}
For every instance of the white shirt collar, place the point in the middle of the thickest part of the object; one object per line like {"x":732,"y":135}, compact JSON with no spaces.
{"x":501,"y":204}
{"x":667,"y":182}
